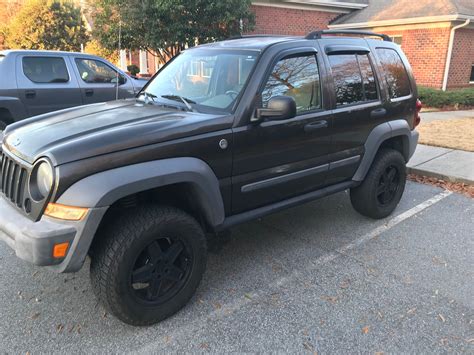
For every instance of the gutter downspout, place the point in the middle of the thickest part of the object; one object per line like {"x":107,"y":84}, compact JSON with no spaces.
{"x":450,"y":52}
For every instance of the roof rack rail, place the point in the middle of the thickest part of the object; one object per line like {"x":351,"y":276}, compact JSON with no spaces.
{"x":240,"y":36}
{"x":320,"y":33}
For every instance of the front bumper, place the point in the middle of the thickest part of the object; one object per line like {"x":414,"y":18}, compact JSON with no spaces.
{"x":34,"y":241}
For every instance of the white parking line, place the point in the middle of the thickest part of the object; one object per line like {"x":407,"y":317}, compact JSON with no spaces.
{"x":234,"y":306}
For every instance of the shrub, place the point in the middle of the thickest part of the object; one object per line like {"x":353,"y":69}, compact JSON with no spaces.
{"x":133,"y":69}
{"x":454,"y":98}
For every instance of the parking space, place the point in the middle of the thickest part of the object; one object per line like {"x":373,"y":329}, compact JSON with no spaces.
{"x":317,"y":278}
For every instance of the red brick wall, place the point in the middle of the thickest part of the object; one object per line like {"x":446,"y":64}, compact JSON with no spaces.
{"x":426,"y":50}
{"x":277,"y":20}
{"x":462,"y":58}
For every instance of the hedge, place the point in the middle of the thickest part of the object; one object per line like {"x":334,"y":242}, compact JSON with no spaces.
{"x":438,"y":98}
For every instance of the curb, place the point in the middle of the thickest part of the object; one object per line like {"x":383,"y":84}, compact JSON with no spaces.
{"x":449,"y":178}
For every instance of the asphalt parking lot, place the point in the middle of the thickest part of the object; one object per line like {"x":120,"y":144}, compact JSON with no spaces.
{"x":317,"y":278}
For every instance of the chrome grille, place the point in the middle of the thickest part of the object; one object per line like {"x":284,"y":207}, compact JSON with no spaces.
{"x":13,"y":179}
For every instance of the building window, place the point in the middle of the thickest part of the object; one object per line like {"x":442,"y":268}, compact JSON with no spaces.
{"x":397,"y":39}
{"x":471,"y":80}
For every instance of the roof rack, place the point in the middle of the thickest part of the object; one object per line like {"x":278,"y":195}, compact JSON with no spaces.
{"x":320,"y":33}
{"x":240,"y":36}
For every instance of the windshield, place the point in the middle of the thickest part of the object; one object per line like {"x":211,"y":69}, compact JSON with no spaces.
{"x":201,"y":79}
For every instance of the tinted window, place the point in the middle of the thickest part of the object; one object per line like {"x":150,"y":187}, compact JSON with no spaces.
{"x":45,"y":69}
{"x":368,"y":78}
{"x":96,"y":72}
{"x":395,"y":72}
{"x":472,"y":74}
{"x":298,"y":77}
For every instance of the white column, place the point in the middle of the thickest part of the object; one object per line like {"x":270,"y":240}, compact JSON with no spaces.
{"x":123,"y":59}
{"x":143,"y":63}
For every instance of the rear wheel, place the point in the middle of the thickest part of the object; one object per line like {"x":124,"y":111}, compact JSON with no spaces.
{"x":146,"y":267}
{"x":382,"y":188}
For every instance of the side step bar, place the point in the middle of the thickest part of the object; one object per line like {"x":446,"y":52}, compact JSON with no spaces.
{"x":282,"y":205}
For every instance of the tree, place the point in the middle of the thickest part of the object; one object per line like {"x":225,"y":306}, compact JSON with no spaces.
{"x":95,"y":48}
{"x":165,"y":27}
{"x":50,"y":24}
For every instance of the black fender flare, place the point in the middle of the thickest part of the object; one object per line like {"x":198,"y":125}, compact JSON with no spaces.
{"x":381,"y":133}
{"x":105,"y":188}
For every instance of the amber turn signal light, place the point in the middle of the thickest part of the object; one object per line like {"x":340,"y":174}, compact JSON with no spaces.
{"x":67,"y":213}
{"x":60,"y":250}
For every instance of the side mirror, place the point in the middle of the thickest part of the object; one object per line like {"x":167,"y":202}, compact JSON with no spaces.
{"x":278,"y":108}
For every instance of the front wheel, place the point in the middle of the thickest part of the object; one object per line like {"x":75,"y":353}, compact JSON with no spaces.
{"x":382,"y":188}
{"x":147,"y":266}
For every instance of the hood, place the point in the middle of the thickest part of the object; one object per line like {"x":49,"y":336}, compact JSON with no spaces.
{"x":97,"y":129}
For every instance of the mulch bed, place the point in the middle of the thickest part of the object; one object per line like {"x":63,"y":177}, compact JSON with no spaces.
{"x":461,"y":188}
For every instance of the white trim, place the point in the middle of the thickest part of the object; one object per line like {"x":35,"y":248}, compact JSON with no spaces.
{"x":450,"y":53}
{"x":301,"y":7}
{"x":342,"y":4}
{"x":405,"y":21}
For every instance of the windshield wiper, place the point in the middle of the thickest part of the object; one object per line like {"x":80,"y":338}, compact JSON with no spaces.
{"x":148,"y":96}
{"x":186,"y":101}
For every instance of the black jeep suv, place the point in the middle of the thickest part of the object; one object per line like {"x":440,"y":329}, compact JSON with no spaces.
{"x":224,"y":133}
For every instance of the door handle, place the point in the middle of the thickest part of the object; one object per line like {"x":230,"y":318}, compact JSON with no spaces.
{"x":378,"y":113}
{"x":89,"y":92}
{"x":30,"y":94}
{"x":315,"y":125}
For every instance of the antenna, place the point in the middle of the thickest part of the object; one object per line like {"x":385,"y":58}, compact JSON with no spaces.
{"x":119,"y":50}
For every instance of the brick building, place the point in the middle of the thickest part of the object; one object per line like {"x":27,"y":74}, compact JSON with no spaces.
{"x":436,"y":35}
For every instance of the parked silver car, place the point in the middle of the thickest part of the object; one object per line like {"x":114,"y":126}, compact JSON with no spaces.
{"x":36,"y":82}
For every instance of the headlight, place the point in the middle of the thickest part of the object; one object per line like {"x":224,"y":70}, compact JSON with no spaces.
{"x":41,"y":180}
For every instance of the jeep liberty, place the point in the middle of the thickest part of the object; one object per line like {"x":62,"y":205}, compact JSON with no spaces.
{"x":222,"y":134}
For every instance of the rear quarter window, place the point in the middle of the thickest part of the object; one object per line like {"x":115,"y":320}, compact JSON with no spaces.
{"x":394,"y":72}
{"x":45,"y":70}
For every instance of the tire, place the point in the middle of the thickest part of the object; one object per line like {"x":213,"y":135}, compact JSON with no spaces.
{"x":383,"y":186}
{"x":136,"y":271}
{"x":3,"y":125}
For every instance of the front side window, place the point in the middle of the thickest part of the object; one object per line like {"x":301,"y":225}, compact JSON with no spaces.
{"x":396,"y":75}
{"x":298,"y":77}
{"x":202,"y":79}
{"x":354,"y":78}
{"x":45,"y":70}
{"x":96,"y":72}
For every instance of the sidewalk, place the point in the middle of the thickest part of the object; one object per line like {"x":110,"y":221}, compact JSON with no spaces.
{"x":442,"y":163}
{"x":445,"y":115}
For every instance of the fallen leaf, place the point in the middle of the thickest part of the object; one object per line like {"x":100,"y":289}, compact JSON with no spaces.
{"x":204,"y":346}
{"x":441,"y":317}
{"x":411,"y":311}
{"x":308,"y":346}
{"x":345,"y":284}
{"x":248,"y":296}
{"x":35,"y":315}
{"x":59,"y":328}
{"x":365,"y":330}
{"x":217,"y":305}
{"x":331,"y":299}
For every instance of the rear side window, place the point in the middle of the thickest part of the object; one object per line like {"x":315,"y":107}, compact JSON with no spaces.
{"x":395,"y":73}
{"x":354,"y":79}
{"x":45,"y":70}
{"x":296,"y":76}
